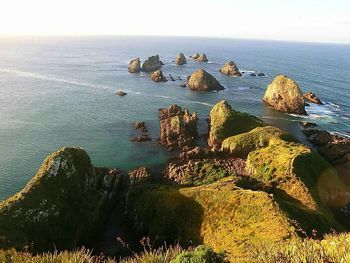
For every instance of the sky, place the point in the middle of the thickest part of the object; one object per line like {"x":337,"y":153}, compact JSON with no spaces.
{"x":293,"y":20}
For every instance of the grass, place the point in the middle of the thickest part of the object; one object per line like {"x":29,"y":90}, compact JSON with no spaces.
{"x":333,"y":248}
{"x":220,"y":215}
{"x":226,"y":122}
{"x":242,"y":144}
{"x":204,"y":172}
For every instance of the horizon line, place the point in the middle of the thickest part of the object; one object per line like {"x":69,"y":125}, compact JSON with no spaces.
{"x":7,"y":35}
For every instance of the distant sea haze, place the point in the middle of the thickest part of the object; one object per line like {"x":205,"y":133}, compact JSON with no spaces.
{"x":57,"y":92}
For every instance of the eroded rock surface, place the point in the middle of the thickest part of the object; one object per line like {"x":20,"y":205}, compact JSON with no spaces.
{"x":230,"y":69}
{"x":203,"y":81}
{"x":151,"y":64}
{"x":134,"y":66}
{"x":285,"y":95}
{"x":178,"y":127}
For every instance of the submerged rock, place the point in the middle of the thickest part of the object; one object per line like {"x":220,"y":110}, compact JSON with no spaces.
{"x":134,"y":66}
{"x":183,"y":85}
{"x":261,"y":74}
{"x":180,"y":59}
{"x":157,"y":76}
{"x":151,"y":64}
{"x":121,"y":93}
{"x":285,"y":95}
{"x":311,"y":97}
{"x":140,"y":125}
{"x":230,"y":69}
{"x":61,"y":205}
{"x":225,"y":122}
{"x":178,"y":127}
{"x":203,"y":81}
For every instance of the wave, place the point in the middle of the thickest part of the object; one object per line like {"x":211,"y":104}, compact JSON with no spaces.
{"x":91,"y":85}
{"x":55,"y":79}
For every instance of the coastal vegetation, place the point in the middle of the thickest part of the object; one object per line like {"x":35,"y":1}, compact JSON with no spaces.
{"x":252,"y":194}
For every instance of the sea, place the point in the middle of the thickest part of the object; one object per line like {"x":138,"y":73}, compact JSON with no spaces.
{"x":61,"y":91}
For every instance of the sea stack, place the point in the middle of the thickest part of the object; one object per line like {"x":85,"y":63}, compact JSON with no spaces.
{"x":203,"y":81}
{"x":195,"y":56}
{"x":180,"y":59}
{"x":230,"y":69}
{"x":285,"y":95}
{"x":202,"y":58}
{"x":157,"y":76}
{"x":178,"y":127}
{"x":134,"y":66}
{"x":151,"y":64}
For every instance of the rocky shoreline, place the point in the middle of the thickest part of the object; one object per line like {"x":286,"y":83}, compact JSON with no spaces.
{"x":249,"y":183}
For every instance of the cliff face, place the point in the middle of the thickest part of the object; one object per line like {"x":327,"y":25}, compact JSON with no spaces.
{"x":60,"y":206}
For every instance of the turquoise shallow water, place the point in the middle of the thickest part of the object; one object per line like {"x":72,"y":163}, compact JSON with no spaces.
{"x":58,"y":92}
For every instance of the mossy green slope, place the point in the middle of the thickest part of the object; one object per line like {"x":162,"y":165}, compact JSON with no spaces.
{"x":294,"y":168}
{"x":226,"y":122}
{"x":58,"y":206}
{"x":220,"y":215}
{"x":242,"y":144}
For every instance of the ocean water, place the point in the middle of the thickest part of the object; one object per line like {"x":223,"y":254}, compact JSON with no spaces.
{"x":57,"y":92}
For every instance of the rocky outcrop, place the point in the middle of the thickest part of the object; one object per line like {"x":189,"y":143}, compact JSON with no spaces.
{"x":230,"y":69}
{"x":334,"y":148}
{"x":180,"y":59}
{"x":195,"y":56}
{"x":178,"y":127}
{"x":140,"y":125}
{"x":194,"y":172}
{"x":151,"y":64}
{"x":242,"y":144}
{"x":134,"y":66}
{"x":203,"y":81}
{"x":141,"y":175}
{"x":157,"y":76}
{"x":225,"y":122}
{"x":121,"y":93}
{"x":285,"y":95}
{"x":182,"y":85}
{"x":60,"y":206}
{"x":202,"y":58}
{"x":311,"y":97}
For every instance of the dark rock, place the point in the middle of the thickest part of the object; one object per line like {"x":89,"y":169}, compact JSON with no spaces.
{"x":151,"y":64}
{"x":183,"y":85}
{"x":180,"y":59}
{"x":334,"y":148}
{"x":252,"y":74}
{"x":178,"y":127}
{"x":140,"y":125}
{"x":311,"y":97}
{"x":141,"y":175}
{"x":121,"y":93}
{"x":141,"y":138}
{"x":306,"y":124}
{"x":261,"y":75}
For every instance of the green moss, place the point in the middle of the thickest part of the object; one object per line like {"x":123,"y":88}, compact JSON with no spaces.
{"x":205,"y":172}
{"x":225,"y":122}
{"x":220,"y":215}
{"x":48,"y":212}
{"x":243,"y":144}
